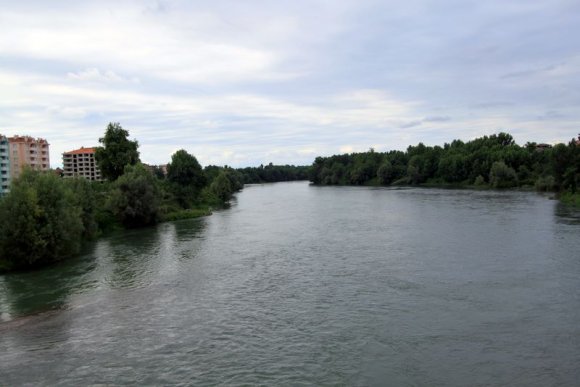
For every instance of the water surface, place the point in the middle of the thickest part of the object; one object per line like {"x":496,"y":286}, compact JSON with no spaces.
{"x":303,"y":285}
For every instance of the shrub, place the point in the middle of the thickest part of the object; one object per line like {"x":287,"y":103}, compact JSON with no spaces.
{"x":545,"y":183}
{"x":479,"y":181}
{"x":135,"y":198}
{"x":502,"y":176}
{"x":40,"y":221}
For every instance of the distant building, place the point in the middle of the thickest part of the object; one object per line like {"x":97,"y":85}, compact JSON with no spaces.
{"x":4,"y":165}
{"x":543,"y":147}
{"x":26,"y":151}
{"x":161,"y":167}
{"x":81,"y":163}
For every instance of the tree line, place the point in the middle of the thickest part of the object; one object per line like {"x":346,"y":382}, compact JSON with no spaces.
{"x":273,"y":173}
{"x":490,"y":161}
{"x":45,"y":218}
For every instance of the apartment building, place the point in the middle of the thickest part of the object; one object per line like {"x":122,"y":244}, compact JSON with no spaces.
{"x":4,"y":165}
{"x":26,"y":151}
{"x":81,"y":163}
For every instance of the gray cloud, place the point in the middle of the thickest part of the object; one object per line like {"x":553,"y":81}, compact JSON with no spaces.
{"x":532,"y":72}
{"x":437,"y":119}
{"x":245,"y":83}
{"x":411,"y":124}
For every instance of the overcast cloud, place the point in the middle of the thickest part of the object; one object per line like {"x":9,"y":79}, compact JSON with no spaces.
{"x":244,"y":83}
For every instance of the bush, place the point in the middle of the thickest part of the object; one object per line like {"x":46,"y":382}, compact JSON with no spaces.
{"x":545,"y":183}
{"x":479,"y":181}
{"x":569,"y":198}
{"x":135,"y":198}
{"x":386,"y":173}
{"x":221,"y":187}
{"x":40,"y":221}
{"x":186,"y":177}
{"x":502,"y":176}
{"x":85,"y":199}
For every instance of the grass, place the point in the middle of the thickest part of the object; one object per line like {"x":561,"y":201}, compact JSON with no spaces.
{"x":572,"y":199}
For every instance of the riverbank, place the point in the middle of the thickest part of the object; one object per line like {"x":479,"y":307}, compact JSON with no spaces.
{"x":191,"y":213}
{"x":570,"y":199}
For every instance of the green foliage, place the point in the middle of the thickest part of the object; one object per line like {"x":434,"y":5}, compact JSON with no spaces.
{"x":272,"y":173}
{"x":502,"y":176}
{"x":545,"y":183}
{"x":457,"y":163}
{"x":386,"y":173}
{"x":186,"y":177}
{"x":135,"y":197}
{"x":85,"y":199}
{"x":479,"y":181}
{"x":211,"y":172}
{"x":571,"y":199}
{"x":158,"y":172}
{"x":452,"y":167}
{"x":40,"y":221}
{"x":117,"y":152}
{"x":185,"y":170}
{"x":221,"y":187}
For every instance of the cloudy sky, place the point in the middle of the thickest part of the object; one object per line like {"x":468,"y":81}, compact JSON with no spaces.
{"x":249,"y":82}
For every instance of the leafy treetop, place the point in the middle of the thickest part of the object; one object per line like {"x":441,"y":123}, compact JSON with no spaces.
{"x":117,"y":152}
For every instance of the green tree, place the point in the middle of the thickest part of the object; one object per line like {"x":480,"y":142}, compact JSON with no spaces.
{"x":135,"y":197}
{"x":186,"y":176}
{"x":502,"y":176}
{"x":85,"y":199}
{"x":117,"y":152}
{"x":386,"y":173}
{"x":40,"y":221}
{"x":221,"y":187}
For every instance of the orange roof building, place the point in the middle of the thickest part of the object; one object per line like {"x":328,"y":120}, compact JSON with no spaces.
{"x":81,"y":163}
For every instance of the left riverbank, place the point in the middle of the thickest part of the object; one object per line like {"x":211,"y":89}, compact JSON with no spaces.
{"x":45,"y":218}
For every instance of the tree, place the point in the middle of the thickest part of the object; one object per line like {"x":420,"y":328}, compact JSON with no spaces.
{"x":40,"y":221}
{"x":502,"y":176}
{"x":186,"y":176}
{"x":414,"y":169}
{"x":386,"y":173}
{"x":221,"y":187}
{"x":85,"y":199}
{"x":135,"y":198}
{"x":117,"y":152}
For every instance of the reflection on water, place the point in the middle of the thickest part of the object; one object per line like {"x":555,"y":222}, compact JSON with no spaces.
{"x":304,"y":285}
{"x":129,"y":260}
{"x":567,"y":214}
{"x":46,"y":289}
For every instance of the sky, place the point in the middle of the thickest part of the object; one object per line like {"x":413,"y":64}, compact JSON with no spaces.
{"x":243,"y":83}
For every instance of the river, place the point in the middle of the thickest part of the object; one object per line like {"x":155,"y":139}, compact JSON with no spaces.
{"x":303,"y":285}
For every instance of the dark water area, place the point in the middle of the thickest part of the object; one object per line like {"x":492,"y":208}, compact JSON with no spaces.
{"x":304,"y":285}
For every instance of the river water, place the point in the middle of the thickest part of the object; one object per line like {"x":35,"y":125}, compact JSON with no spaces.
{"x":303,"y":285}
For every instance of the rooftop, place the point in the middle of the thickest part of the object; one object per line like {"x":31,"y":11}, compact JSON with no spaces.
{"x":18,"y":138}
{"x":79,"y":151}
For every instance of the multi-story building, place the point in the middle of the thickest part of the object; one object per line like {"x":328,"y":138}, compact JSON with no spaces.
{"x":81,"y":163}
{"x":4,"y":165}
{"x":26,"y":151}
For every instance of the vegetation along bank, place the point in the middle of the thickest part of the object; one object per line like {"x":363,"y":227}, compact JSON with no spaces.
{"x":494,"y":161}
{"x":46,"y":218}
